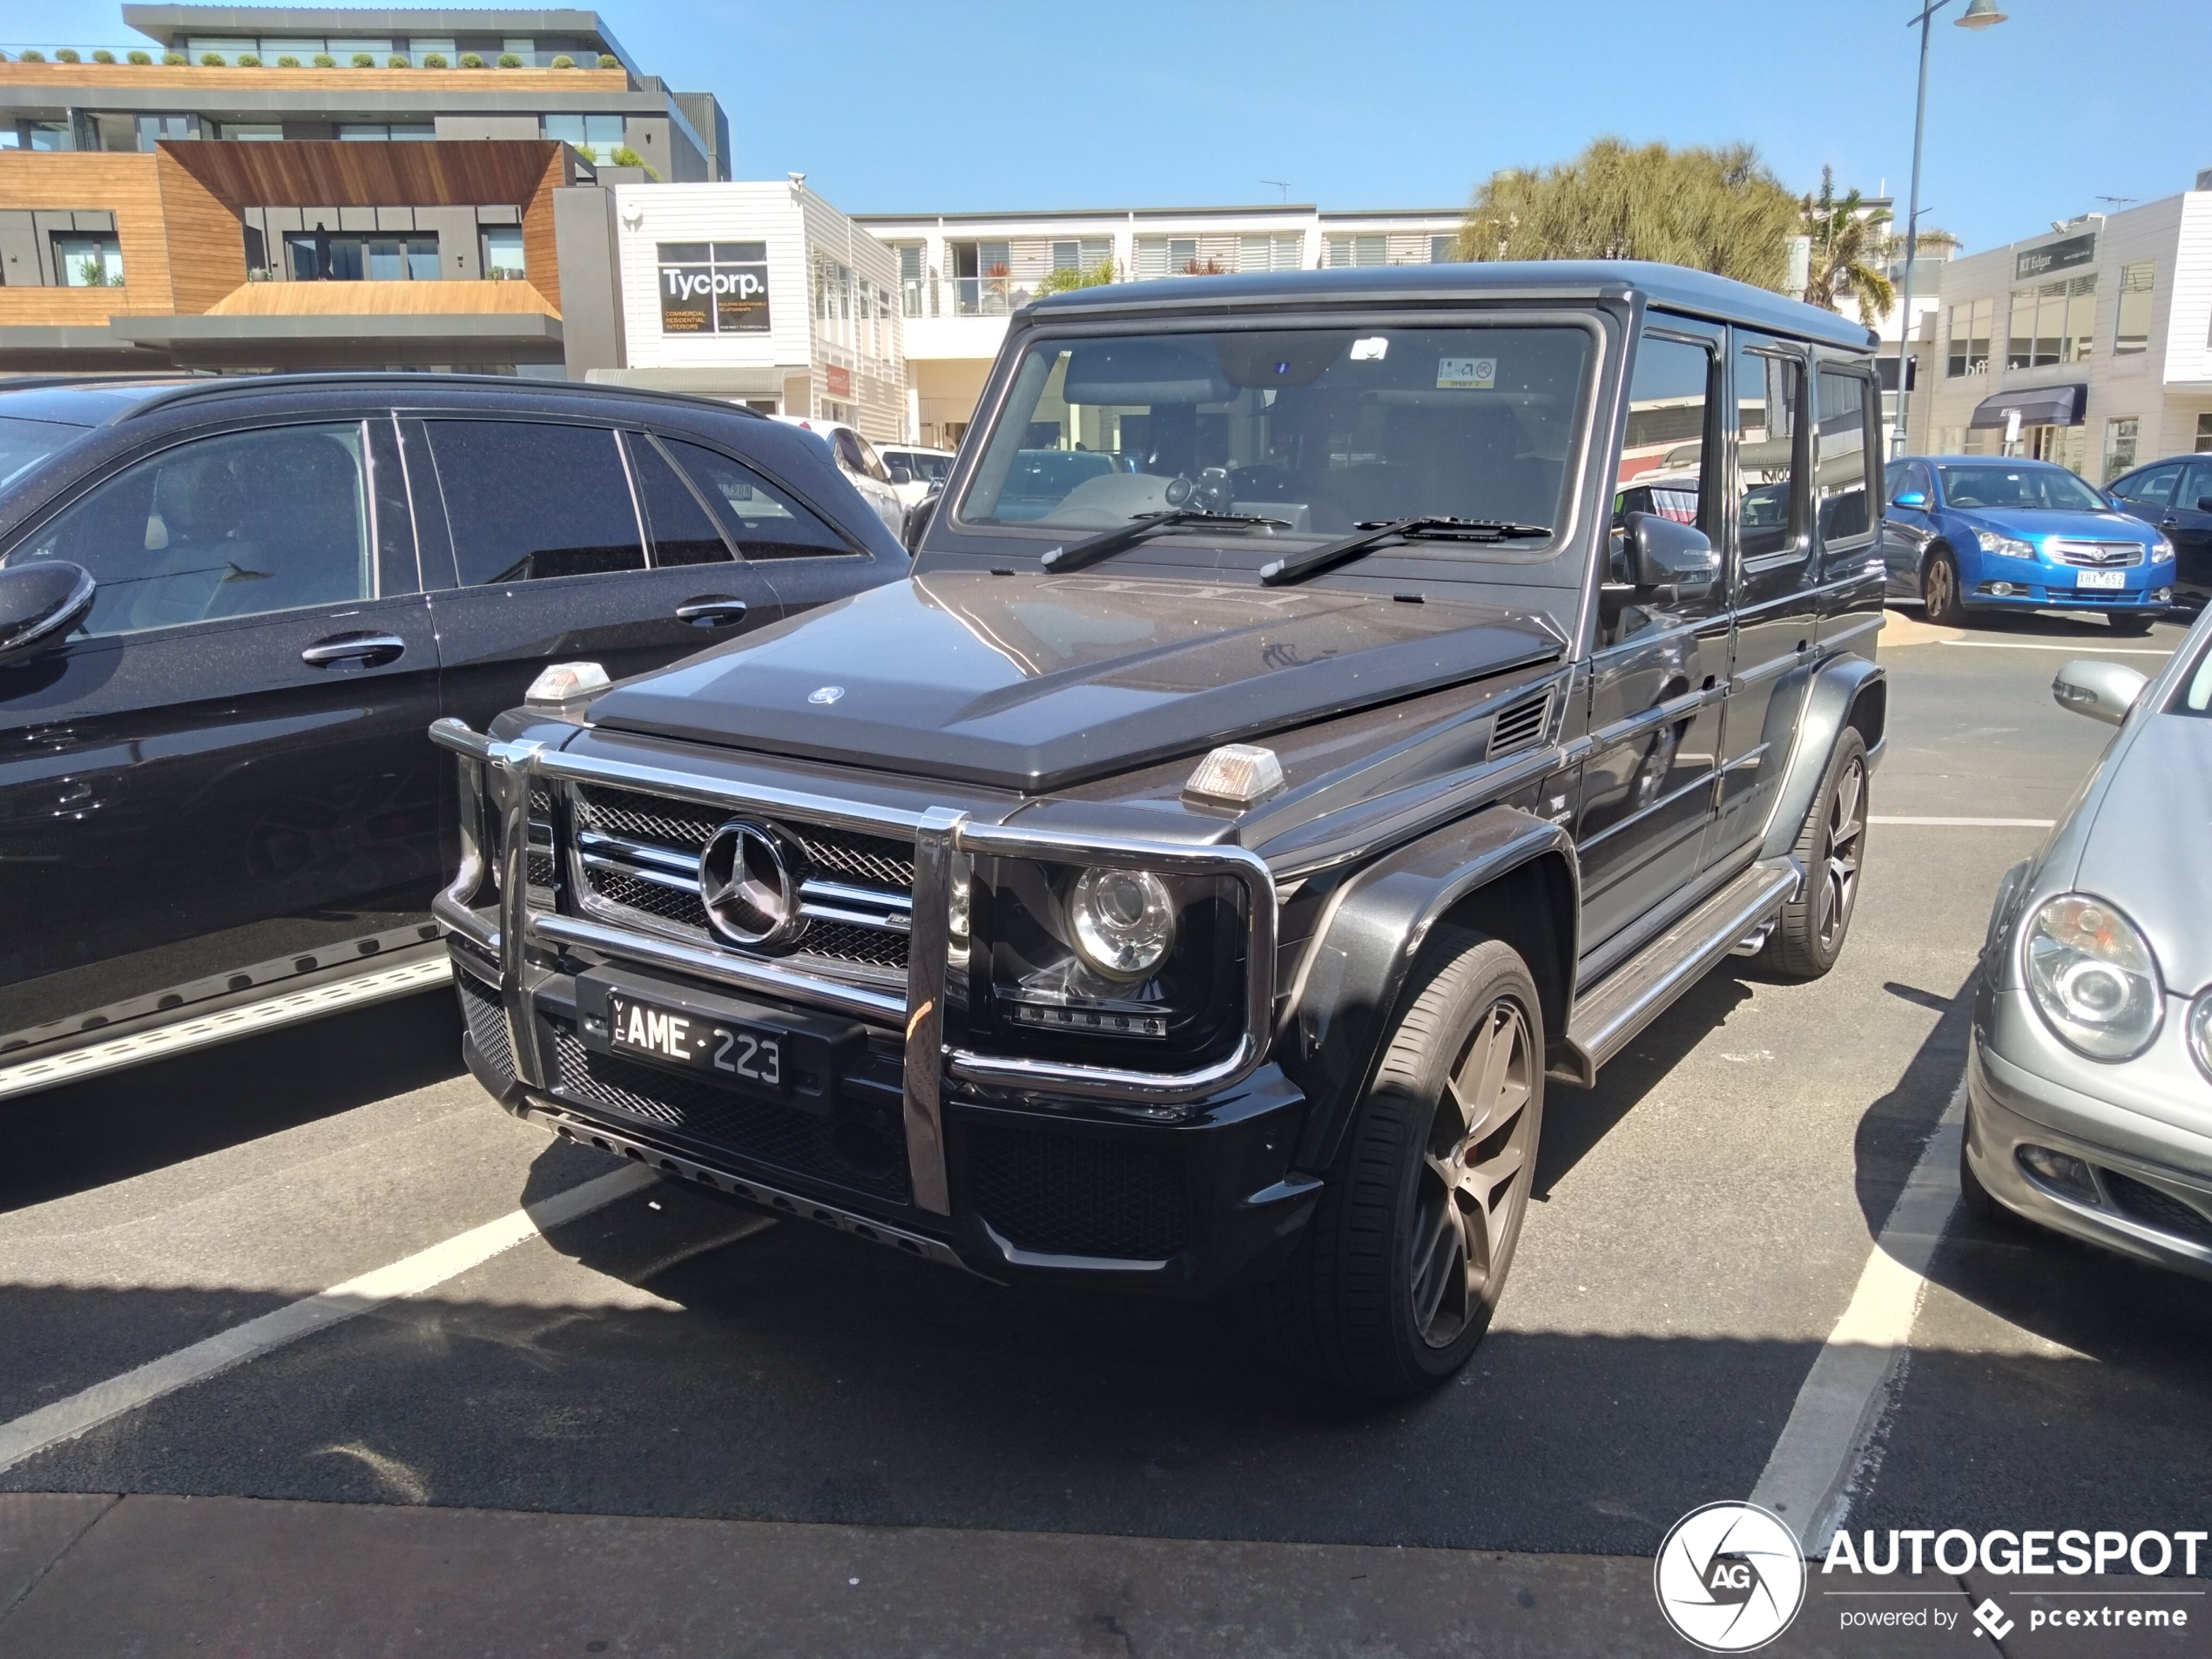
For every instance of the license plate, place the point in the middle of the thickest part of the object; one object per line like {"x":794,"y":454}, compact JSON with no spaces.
{"x":2101,"y":578}
{"x":749,"y":1055}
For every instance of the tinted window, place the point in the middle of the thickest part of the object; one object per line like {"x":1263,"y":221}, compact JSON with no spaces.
{"x":1839,"y":477}
{"x":528,"y":502}
{"x":1911,"y":479}
{"x":765,"y":523}
{"x":2154,"y":486}
{"x":25,"y":443}
{"x":2196,"y":484}
{"x":1770,"y":391}
{"x":2017,"y":485}
{"x":1661,"y":471}
{"x":232,"y":526}
{"x":682,"y":534}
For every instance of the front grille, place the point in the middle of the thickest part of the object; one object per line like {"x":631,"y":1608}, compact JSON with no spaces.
{"x":2097,"y":555}
{"x":487,"y":1020}
{"x":2161,"y":1209}
{"x":853,"y":858}
{"x":759,"y":1132}
{"x":1075,"y":1196}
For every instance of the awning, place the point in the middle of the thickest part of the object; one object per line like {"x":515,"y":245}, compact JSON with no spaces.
{"x":2042,"y":406}
{"x":338,"y":341}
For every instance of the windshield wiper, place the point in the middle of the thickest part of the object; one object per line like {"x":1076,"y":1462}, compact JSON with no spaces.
{"x":1374,"y":533}
{"x":1106,"y":543}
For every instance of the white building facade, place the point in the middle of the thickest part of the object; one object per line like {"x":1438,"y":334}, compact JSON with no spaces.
{"x":763,"y":293}
{"x":2097,"y":336}
{"x":961,"y":275}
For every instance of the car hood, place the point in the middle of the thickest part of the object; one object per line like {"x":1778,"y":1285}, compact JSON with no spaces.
{"x":2043,"y":521}
{"x":1031,"y":682}
{"x":2145,"y":849}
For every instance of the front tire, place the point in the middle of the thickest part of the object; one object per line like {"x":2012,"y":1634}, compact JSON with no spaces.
{"x":1401,"y":1269}
{"x":1941,"y":601}
{"x":1808,"y":936}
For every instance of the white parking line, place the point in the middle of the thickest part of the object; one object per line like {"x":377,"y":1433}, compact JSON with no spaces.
{"x":2079,"y":647}
{"x":64,"y":1420}
{"x":1968,"y":823}
{"x":1808,"y":1475}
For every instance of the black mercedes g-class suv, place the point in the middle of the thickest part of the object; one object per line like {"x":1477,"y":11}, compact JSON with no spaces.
{"x":1189,"y":878}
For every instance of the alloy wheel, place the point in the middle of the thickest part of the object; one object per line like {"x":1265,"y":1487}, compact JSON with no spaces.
{"x":1838,"y":874}
{"x":1939,"y":599}
{"x":1474,"y":1176}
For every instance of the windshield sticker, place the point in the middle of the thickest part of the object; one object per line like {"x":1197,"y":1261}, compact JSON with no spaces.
{"x":1467,"y":374}
{"x":1370,"y":351}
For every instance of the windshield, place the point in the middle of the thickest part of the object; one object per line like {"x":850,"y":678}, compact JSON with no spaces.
{"x":1319,"y":428}
{"x":2051,"y":487}
{"x":24,"y":444}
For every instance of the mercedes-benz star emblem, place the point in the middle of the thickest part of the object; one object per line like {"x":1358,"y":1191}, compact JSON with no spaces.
{"x":825,"y":694}
{"x":746,"y":885}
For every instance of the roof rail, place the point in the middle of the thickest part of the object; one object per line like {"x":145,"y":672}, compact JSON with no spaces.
{"x":247,"y":385}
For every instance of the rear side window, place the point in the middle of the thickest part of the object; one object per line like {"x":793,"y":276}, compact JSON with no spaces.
{"x":683,"y":533}
{"x":1769,"y":393}
{"x":763,"y":520}
{"x":530,"y":500}
{"x":1839,"y":475}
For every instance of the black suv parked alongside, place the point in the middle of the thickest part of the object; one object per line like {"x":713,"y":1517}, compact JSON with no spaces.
{"x":1188,"y":882}
{"x":229,"y":610}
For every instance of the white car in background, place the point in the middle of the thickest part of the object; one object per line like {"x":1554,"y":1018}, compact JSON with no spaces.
{"x":857,"y":460}
{"x":923,"y":467}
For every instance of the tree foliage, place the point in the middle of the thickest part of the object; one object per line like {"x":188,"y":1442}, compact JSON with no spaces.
{"x":1067,"y":277}
{"x":1849,"y":243}
{"x":1714,"y":210}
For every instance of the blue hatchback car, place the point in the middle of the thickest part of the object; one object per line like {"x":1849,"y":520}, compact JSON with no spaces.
{"x":1964,"y":533}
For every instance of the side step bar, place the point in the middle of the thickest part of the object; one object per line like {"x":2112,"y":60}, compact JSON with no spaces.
{"x":1608,"y":1017}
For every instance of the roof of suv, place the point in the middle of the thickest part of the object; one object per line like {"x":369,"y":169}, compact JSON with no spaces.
{"x":90,"y":402}
{"x":1673,"y":286}
{"x":73,"y":401}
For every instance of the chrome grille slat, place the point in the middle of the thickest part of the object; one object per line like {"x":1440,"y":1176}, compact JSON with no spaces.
{"x":2098,"y":556}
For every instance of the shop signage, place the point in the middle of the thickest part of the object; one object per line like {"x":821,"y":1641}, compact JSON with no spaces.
{"x":713,"y":287}
{"x":2055,"y":256}
{"x":837,"y":379}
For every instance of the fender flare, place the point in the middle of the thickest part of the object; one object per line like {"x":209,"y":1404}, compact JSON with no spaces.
{"x":1847,"y":691}
{"x":1354,"y":969}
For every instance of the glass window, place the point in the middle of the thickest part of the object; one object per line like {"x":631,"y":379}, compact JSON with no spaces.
{"x":597,"y":137}
{"x":1839,"y":473}
{"x":1911,"y":479}
{"x":504,"y":252}
{"x":2203,"y":435}
{"x":683,"y":531}
{"x":1357,"y":250}
{"x":2053,"y":322}
{"x":1769,"y":391}
{"x":2131,"y":337}
{"x":2153,"y":486}
{"x":1999,"y":485}
{"x":2196,"y":487}
{"x":2196,"y":695}
{"x":24,"y":444}
{"x":50,"y":135}
{"x":1968,"y":327}
{"x":1662,"y":455}
{"x":1319,"y":427}
{"x":763,"y":522}
{"x":82,"y":261}
{"x":232,"y":526}
{"x":321,"y":256}
{"x":251,"y":133}
{"x":1441,"y":249}
{"x":2121,"y":434}
{"x":528,"y":500}
{"x":152,"y":129}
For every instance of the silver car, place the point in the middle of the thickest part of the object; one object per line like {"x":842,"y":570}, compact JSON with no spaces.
{"x":2089,"y":1083}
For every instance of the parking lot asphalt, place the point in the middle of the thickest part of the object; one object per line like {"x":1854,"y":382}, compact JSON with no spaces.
{"x":1704,"y":1216}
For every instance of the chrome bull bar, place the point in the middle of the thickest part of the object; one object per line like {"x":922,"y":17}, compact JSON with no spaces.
{"x":943,"y":838}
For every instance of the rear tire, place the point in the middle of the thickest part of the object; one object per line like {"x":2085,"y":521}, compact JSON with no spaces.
{"x":2130,"y":625}
{"x":1809,"y":934}
{"x":1399,"y":1271}
{"x":1941,"y":601}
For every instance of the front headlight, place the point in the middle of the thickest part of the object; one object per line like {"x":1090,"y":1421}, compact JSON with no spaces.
{"x":2201,"y":1032}
{"x":2006,"y":547}
{"x":2161,"y":549}
{"x":2091,"y":975}
{"x":1122,"y":922}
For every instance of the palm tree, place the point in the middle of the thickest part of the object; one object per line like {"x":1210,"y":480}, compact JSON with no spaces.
{"x":1850,"y":244}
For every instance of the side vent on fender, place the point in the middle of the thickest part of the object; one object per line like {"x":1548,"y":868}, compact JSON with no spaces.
{"x":1521,"y":726}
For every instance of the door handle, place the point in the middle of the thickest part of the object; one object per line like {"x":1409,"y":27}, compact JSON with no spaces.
{"x":711,"y":610}
{"x":369,"y":650}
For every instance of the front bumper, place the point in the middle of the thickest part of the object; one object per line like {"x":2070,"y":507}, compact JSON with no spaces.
{"x":1177,"y":1184}
{"x":2034,"y":585}
{"x":2152,"y":1197}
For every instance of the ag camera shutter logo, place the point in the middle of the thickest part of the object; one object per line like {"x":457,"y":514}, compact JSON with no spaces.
{"x":1730,"y":1577}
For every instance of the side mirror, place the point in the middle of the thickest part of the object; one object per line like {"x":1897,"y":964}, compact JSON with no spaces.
{"x":917,"y":521}
{"x":40,"y":602}
{"x":901,"y":476}
{"x":1664,"y":554}
{"x":2204,"y":503}
{"x":1911,"y":498}
{"x":2102,"y":690}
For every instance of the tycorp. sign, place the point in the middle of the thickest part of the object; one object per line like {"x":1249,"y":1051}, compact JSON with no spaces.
{"x":713,"y":287}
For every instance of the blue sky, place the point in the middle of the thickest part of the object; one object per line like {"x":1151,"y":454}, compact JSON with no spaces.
{"x":956,"y":104}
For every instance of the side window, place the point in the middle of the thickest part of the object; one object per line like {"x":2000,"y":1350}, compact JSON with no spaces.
{"x":847,"y":445}
{"x":1769,"y":393}
{"x":528,"y":500}
{"x":1662,"y":471}
{"x":231,"y":526}
{"x":2196,"y":486}
{"x":2154,"y":487}
{"x":1840,"y":475}
{"x":763,"y":522}
{"x":1910,"y":479}
{"x":682,"y":531}
{"x":871,"y":463}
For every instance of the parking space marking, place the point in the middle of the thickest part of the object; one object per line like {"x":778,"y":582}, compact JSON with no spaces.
{"x":2079,"y":647}
{"x":1968,"y":823}
{"x":64,"y":1420}
{"x":1808,"y":1474}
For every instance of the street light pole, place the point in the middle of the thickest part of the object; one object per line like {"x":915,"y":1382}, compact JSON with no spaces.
{"x":1981,"y":13}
